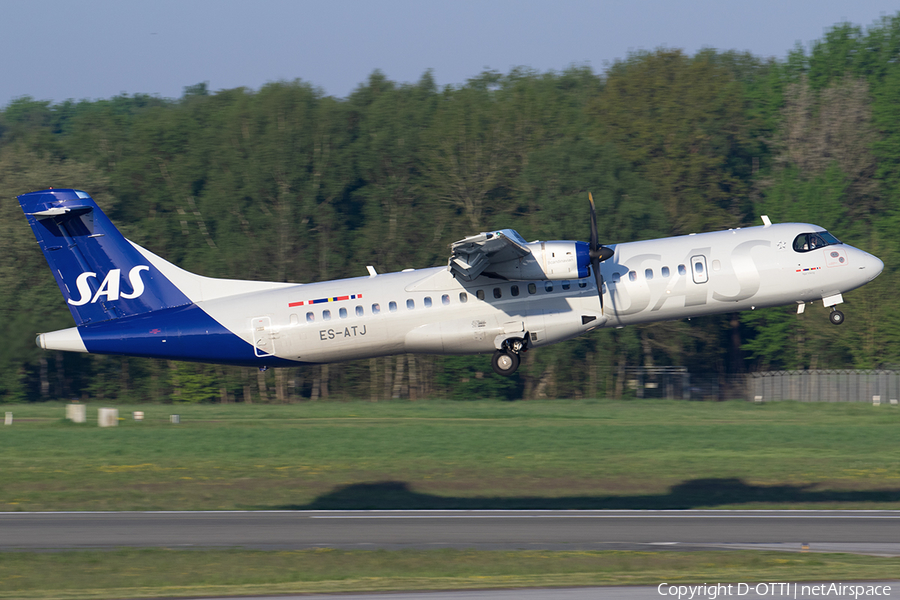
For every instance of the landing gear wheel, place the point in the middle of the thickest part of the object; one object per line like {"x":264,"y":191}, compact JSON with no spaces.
{"x":505,"y":363}
{"x":837,"y":317}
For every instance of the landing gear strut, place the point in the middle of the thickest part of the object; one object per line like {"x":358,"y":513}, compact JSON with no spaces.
{"x":836,"y":316}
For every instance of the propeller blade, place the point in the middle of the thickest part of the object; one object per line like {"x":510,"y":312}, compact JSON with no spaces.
{"x":598,"y":277}
{"x":598,"y":252}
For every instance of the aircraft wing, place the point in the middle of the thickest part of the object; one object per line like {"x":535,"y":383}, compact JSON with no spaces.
{"x":469,"y":257}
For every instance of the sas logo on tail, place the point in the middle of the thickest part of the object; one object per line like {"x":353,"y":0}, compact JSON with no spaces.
{"x":110,"y":286}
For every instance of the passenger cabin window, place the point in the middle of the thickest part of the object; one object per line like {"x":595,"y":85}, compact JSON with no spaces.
{"x":514,"y":290}
{"x":632,"y":276}
{"x":427,"y":301}
{"x":310,"y":317}
{"x":295,"y":320}
{"x":392,"y":306}
{"x":698,"y":267}
{"x":326,"y":315}
{"x":445,"y":299}
{"x":648,"y":273}
{"x":463,"y":297}
{"x":616,"y":277}
{"x":497,"y":293}
{"x":665,"y":271}
{"x":548,"y":286}
{"x":532,"y":289}
{"x":359,"y":311}
{"x":480,"y":294}
{"x":410,"y":304}
{"x":812,"y":241}
{"x":343,"y":313}
{"x":582,"y":283}
{"x":376,"y":308}
{"x":682,"y":270}
{"x":566,"y":284}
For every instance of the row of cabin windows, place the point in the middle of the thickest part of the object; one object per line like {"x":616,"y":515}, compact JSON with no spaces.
{"x":648,"y":273}
{"x":532,"y":288}
{"x":392,"y":307}
{"x":513,"y":291}
{"x":664,"y":272}
{"x":445,"y":300}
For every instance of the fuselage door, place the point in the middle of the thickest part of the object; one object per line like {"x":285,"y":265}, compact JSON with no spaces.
{"x":698,"y":269}
{"x":263,"y":340}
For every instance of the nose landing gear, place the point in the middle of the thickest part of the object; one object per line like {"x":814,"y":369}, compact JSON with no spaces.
{"x":836,"y":316}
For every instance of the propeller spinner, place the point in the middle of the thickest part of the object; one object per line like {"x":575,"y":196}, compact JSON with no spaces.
{"x":598,"y":252}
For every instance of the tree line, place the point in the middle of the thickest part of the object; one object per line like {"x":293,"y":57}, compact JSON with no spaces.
{"x":285,"y":183}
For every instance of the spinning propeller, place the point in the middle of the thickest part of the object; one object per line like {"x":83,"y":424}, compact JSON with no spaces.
{"x":598,"y":252}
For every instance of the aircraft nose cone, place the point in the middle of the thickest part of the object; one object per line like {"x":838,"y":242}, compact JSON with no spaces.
{"x":873,"y":266}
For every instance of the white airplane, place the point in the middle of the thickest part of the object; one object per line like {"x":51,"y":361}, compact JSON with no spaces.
{"x":498,"y":294}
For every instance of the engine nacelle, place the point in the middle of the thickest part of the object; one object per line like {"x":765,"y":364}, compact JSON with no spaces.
{"x":548,"y":260}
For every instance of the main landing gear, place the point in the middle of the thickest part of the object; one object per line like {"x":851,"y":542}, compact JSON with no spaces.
{"x":836,"y":316}
{"x":506,"y":361}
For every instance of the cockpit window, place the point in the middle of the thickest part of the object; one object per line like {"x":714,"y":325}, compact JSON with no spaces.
{"x":812,"y":241}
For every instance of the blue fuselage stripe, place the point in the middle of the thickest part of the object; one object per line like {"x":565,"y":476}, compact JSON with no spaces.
{"x":182,"y":333}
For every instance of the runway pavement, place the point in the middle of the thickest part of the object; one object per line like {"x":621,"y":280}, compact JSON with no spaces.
{"x":866,"y":532}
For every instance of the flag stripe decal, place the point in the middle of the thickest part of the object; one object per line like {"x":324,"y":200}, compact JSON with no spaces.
{"x":324,"y":300}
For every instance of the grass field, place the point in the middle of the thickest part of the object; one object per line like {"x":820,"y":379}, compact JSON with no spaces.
{"x":549,"y":454}
{"x":173,"y":573}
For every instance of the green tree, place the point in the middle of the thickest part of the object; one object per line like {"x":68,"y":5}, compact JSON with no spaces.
{"x":30,"y":300}
{"x":681,"y":122}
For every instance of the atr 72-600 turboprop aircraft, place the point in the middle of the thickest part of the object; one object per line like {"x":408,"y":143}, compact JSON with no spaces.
{"x":498,"y":294}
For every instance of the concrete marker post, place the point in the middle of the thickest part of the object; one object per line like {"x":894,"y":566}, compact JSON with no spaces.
{"x":77,"y":413}
{"x":108,"y":417}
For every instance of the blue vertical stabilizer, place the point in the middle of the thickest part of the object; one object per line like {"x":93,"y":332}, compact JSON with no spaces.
{"x":101,"y":274}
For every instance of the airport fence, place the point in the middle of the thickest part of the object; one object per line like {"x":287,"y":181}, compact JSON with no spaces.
{"x":676,"y":383}
{"x":815,"y":385}
{"x":825,"y":385}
